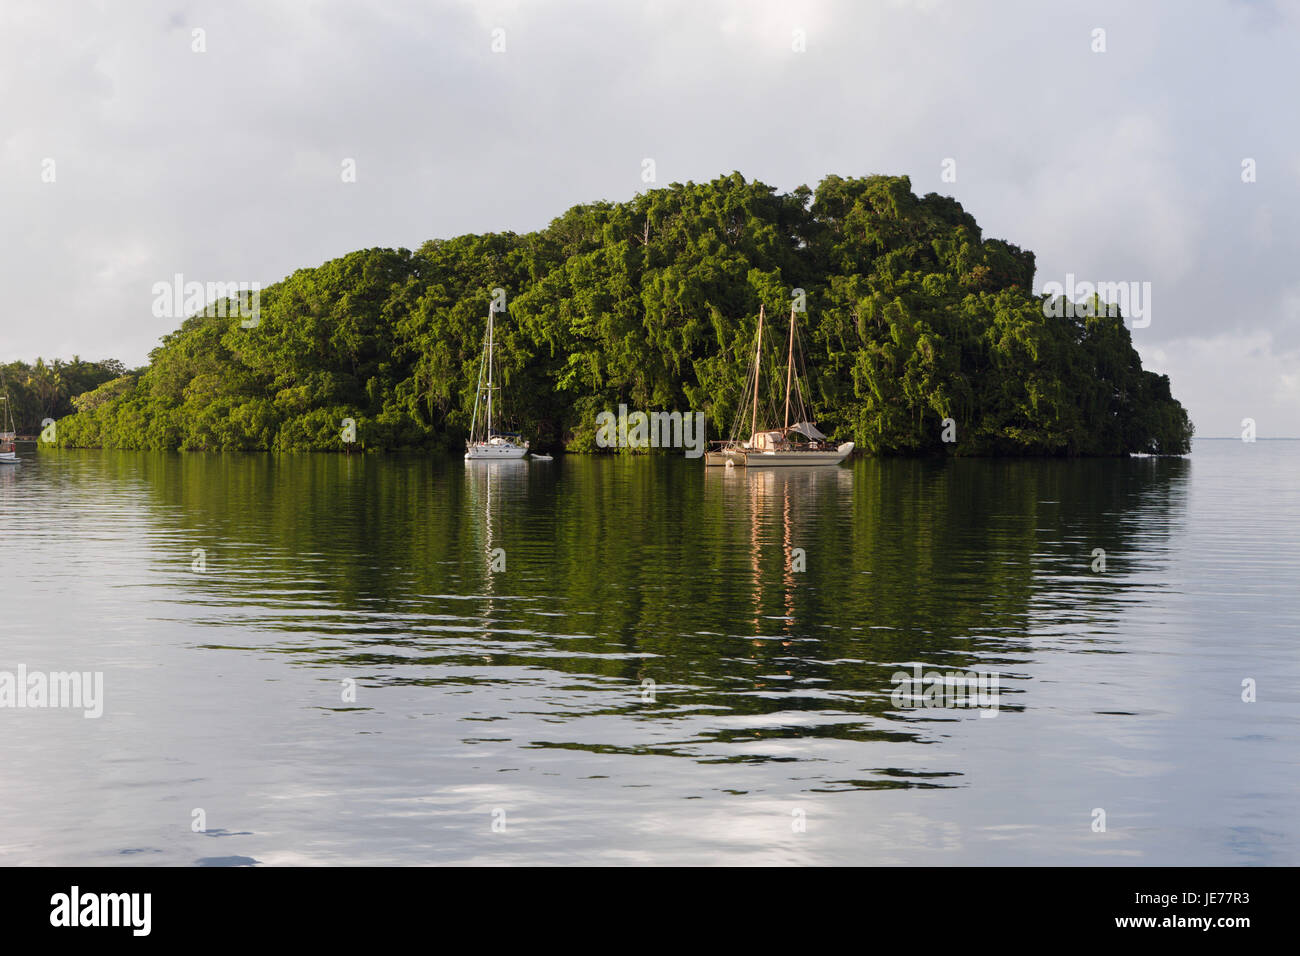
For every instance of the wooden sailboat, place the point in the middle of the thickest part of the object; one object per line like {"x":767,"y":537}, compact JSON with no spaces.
{"x":485,"y":442}
{"x":778,"y":446}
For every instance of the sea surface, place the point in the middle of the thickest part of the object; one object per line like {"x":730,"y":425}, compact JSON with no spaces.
{"x":318,"y":659}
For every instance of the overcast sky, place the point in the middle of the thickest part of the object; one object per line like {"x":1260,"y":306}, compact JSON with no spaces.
{"x":226,"y":165}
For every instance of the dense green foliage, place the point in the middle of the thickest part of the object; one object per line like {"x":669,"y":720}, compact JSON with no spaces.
{"x":912,"y":317}
{"x":50,"y":389}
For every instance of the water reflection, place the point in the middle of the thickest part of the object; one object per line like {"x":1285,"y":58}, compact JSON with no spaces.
{"x":619,"y":571}
{"x":489,"y":483}
{"x":527,"y":687}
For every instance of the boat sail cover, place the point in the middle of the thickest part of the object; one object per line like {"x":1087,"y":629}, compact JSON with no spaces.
{"x":807,"y":429}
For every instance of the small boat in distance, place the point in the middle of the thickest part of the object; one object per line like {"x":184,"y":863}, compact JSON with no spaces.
{"x":484,"y":442}
{"x":9,"y":435}
{"x":777,"y":446}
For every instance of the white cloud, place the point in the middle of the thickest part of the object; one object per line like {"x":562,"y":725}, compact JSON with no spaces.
{"x":225,"y":165}
{"x":1225,"y":378}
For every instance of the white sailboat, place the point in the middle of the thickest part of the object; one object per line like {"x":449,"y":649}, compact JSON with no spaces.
{"x":8,"y":437}
{"x":778,"y":446}
{"x":484,"y":442}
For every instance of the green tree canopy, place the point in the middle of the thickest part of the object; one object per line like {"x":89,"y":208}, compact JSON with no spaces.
{"x":912,"y":317}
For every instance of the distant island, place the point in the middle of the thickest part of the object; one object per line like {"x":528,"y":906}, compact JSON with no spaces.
{"x":912,"y":318}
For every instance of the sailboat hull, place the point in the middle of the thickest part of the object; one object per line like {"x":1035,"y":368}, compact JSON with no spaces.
{"x":495,"y":452}
{"x":753,"y":458}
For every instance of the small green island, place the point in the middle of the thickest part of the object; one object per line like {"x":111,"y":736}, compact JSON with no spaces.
{"x":912,"y":318}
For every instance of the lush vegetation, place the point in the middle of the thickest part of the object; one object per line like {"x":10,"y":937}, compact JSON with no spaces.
{"x":912,"y":317}
{"x":50,"y":389}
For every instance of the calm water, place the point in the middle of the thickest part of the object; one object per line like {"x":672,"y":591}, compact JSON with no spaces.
{"x":768,"y":735}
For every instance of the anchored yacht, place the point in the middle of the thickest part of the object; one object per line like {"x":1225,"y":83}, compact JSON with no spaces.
{"x":484,"y":441}
{"x":800,"y":443}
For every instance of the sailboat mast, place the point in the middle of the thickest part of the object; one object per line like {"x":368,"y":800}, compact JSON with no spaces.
{"x":789,"y":369}
{"x":491,"y":313}
{"x":758,"y":369}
